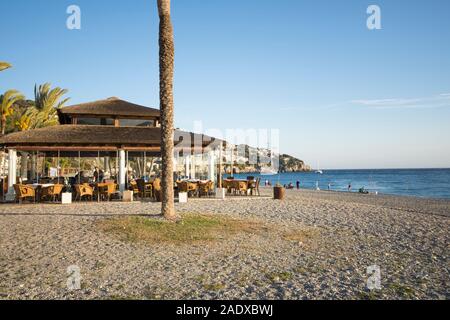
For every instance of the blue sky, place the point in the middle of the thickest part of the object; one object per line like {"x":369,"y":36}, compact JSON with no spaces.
{"x":341,"y":95}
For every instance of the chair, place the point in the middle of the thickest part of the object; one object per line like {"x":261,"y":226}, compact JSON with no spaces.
{"x":105,"y":190}
{"x":4,"y":186}
{"x":134,"y":187}
{"x":23,"y":192}
{"x":84,"y":190}
{"x":228,"y":184}
{"x":258,"y":182}
{"x":52,"y":192}
{"x":157,"y":189}
{"x":212,"y":187}
{"x":205,"y":188}
{"x":183,"y":186}
{"x":241,"y":187}
{"x":144,"y":189}
{"x":253,"y":185}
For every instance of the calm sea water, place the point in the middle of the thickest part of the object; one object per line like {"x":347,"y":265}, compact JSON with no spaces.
{"x":427,"y":183}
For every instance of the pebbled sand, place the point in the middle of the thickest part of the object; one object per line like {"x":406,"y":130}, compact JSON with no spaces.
{"x":408,"y":238}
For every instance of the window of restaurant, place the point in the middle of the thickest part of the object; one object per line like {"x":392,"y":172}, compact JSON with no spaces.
{"x":95,"y":121}
{"x":136,"y":123}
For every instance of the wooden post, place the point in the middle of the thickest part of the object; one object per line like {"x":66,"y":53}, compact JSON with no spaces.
{"x":79,"y":167}
{"x":58,"y":167}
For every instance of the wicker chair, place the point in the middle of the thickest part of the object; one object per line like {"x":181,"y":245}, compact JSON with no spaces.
{"x":229,"y":185}
{"x":134,"y":187}
{"x":52,"y":193}
{"x":24,"y":192}
{"x":106,"y":190}
{"x":240,"y":187}
{"x":83,"y":190}
{"x":187,"y":187}
{"x":157,"y":189}
{"x":183,"y":186}
{"x":205,"y":188}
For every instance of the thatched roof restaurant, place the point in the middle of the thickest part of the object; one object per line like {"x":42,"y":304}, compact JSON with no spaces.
{"x":111,"y":125}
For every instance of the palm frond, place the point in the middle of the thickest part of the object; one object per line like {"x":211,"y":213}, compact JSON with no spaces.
{"x":4,"y":65}
{"x":8,"y":100}
{"x":47,"y":101}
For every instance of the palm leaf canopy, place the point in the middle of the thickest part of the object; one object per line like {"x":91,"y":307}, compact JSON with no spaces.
{"x":4,"y":65}
{"x":8,"y":100}
{"x":47,"y":101}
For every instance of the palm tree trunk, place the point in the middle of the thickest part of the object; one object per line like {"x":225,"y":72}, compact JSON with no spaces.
{"x":3,"y":124}
{"x":166,"y":69}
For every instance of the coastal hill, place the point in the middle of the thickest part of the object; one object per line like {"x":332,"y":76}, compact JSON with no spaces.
{"x":291,"y":164}
{"x":242,"y":163}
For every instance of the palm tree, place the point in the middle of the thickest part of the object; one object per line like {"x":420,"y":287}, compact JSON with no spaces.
{"x":7,"y":102}
{"x":4,"y":65}
{"x":166,"y":68}
{"x":46,"y":103}
{"x":24,"y":122}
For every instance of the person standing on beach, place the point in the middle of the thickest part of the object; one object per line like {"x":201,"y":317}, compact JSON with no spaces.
{"x":298,"y":185}
{"x":350,"y":187}
{"x":329,"y":186}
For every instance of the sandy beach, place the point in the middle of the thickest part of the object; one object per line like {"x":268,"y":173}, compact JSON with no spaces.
{"x":408,"y":238}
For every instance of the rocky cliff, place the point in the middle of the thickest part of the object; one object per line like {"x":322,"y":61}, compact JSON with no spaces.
{"x":249,"y":159}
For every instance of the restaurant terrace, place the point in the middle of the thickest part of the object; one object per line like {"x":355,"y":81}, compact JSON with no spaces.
{"x":106,"y":141}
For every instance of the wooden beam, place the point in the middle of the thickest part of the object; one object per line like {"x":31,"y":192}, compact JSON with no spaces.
{"x":110,"y":116}
{"x":84,"y":148}
{"x":154,"y":148}
{"x":149,"y":149}
{"x":62,"y":148}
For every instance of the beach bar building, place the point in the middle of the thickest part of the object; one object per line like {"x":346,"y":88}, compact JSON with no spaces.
{"x":122,"y":138}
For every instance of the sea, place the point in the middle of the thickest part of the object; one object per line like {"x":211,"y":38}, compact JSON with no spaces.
{"x":425,"y":183}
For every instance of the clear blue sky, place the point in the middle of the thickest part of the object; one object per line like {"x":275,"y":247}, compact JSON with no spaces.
{"x":341,"y":95}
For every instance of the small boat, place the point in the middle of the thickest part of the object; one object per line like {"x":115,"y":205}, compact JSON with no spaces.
{"x":318,"y":171}
{"x":268,"y":171}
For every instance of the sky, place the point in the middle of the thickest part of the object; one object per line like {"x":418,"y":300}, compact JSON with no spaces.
{"x":341,"y":95}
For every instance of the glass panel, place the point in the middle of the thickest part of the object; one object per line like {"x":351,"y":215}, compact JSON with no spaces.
{"x":136,"y":123}
{"x":95,"y":121}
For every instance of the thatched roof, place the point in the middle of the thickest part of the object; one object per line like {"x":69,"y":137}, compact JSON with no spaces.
{"x":82,"y":135}
{"x":110,"y":107}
